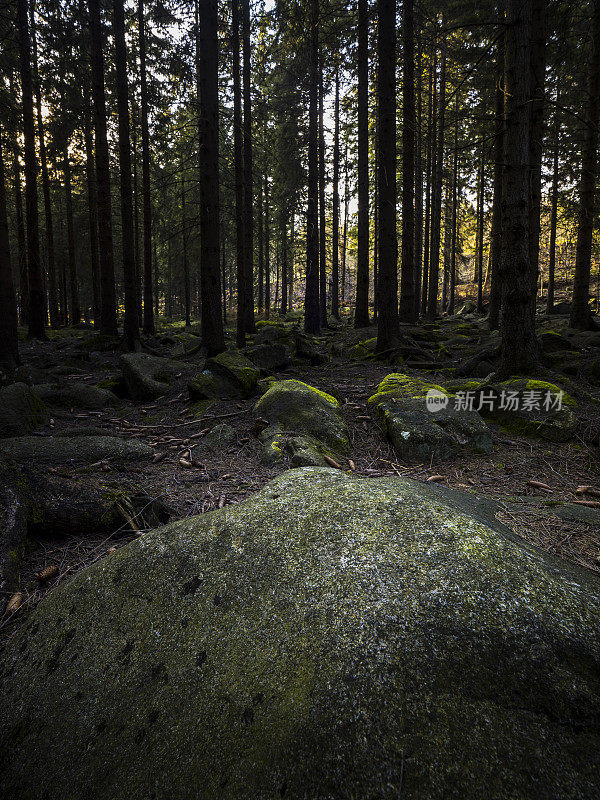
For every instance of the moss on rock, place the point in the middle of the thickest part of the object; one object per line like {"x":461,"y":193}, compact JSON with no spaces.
{"x":329,"y":637}
{"x":21,"y":410}
{"x":148,"y":377}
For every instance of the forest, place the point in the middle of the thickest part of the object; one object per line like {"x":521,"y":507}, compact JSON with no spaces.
{"x":299,"y":399}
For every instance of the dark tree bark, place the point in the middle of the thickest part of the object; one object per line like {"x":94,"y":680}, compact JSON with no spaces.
{"x":345,"y":227}
{"x":208,"y":123}
{"x":429,"y":179}
{"x":261,"y":253}
{"x":292,"y":258}
{"x":238,"y":144}
{"x":311,"y":298}
{"x":284,"y":261}
{"x":407,"y":285}
{"x":496,"y":234}
{"x":536,"y":132}
{"x":108,"y":319}
{"x":436,"y":203}
{"x":454,"y":221}
{"x":74,"y":289}
{"x":419,"y":183}
{"x":146,"y":197}
{"x":361,"y":313}
{"x":335,"y":258}
{"x":92,"y":219}
{"x":184,"y":250}
{"x":248,"y":182}
{"x":37,"y":304}
{"x":581,"y":316}
{"x":131,"y":329}
{"x":21,"y":246}
{"x":553,"y":209}
{"x":267,"y":253}
{"x":447,"y":244}
{"x":387,"y":331}
{"x":9,"y":343}
{"x":52,"y":296}
{"x":322,"y":215}
{"x":479,"y":247}
{"x":519,"y":349}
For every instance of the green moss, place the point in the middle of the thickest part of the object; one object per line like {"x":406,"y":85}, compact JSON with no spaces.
{"x":401,"y":386}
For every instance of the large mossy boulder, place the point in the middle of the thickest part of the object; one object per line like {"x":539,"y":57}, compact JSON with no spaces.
{"x":76,"y":395}
{"x":21,"y":410}
{"x":268,"y":357}
{"x":523,"y":406}
{"x":420,"y":433}
{"x":328,"y":638}
{"x":63,"y":449}
{"x":230,"y":374}
{"x":148,"y":377}
{"x":310,"y":348}
{"x":303,"y":424}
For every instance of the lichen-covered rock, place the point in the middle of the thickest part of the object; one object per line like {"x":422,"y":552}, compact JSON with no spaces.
{"x":552,"y":342}
{"x":420,"y":434}
{"x":280,"y":447}
{"x":230,"y":374}
{"x":237,"y":369}
{"x":293,"y":407}
{"x":21,"y":410}
{"x":30,"y":374}
{"x":76,"y":395}
{"x":62,"y":449}
{"x":328,"y":638}
{"x":147,"y":377}
{"x":269,"y":356}
{"x":310,"y":348}
{"x":219,"y":438}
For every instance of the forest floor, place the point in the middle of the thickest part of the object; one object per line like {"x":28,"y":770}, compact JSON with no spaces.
{"x":172,"y":424}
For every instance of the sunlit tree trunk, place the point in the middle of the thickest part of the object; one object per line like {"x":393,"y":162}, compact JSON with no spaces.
{"x":248,"y":178}
{"x":322,"y":215}
{"x":92,"y":219}
{"x":335,"y":277}
{"x":146,"y":197}
{"x":553,"y":210}
{"x":74,"y":289}
{"x":238,"y":148}
{"x":436,"y":203}
{"x":496,"y":233}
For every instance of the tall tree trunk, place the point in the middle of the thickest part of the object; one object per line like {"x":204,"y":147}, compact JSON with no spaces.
{"x":335,"y":277}
{"x":238,"y":145}
{"x":322,"y":215}
{"x":267,"y":253}
{"x":429,"y":178}
{"x":248,"y":182}
{"x":169,"y":295}
{"x":436,"y":204}
{"x":361,"y":313}
{"x":496,"y":234}
{"x":52,"y":298}
{"x":261,"y":254}
{"x":37,"y":304}
{"x":311,"y":299}
{"x":580,"y":310}
{"x":447,"y":244}
{"x":479,"y":251}
{"x":75,"y":308}
{"x":131,"y":329}
{"x":407,"y":285}
{"x":208,"y":123}
{"x":419,"y":182}
{"x":292,"y":261}
{"x":92,"y":219}
{"x":9,"y":342}
{"x":186,"y":267}
{"x":136,"y":215}
{"x":536,"y":132}
{"x":520,"y":349}
{"x":146,"y":198}
{"x":387,"y":331}
{"x":108,"y":320}
{"x":345,"y":228}
{"x":454,"y":221}
{"x":553,"y":210}
{"x":21,"y":246}
{"x":284,"y":262}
